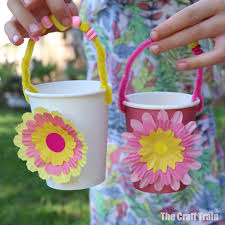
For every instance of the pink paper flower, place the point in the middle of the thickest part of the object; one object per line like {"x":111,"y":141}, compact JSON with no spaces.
{"x":161,"y":151}
{"x":51,"y":145}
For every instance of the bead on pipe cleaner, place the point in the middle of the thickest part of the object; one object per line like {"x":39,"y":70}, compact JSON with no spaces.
{"x":34,"y":38}
{"x":76,"y":21}
{"x":91,"y":35}
{"x":84,"y":27}
{"x":197,"y":50}
{"x":90,"y":32}
{"x":193,"y":45}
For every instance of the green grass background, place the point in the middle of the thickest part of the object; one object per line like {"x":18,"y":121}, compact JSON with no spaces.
{"x":26,"y":200}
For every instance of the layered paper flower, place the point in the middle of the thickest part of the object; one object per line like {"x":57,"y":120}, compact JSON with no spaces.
{"x":51,"y":145}
{"x":161,"y":151}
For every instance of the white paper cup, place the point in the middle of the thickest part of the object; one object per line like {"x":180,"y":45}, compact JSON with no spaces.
{"x":82,"y":102}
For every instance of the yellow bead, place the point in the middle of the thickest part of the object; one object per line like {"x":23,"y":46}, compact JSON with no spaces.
{"x":84,"y":27}
{"x":193,"y":45}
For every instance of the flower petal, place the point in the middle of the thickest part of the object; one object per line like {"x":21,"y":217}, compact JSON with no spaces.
{"x":39,"y":162}
{"x":31,"y":152}
{"x":148,"y":122}
{"x":128,"y":163}
{"x":196,"y":138}
{"x":158,"y":184}
{"x":162,"y":115}
{"x":137,"y":126}
{"x":152,"y":177}
{"x":193,"y":152}
{"x":127,"y":135}
{"x":53,"y":170}
{"x":191,"y":126}
{"x":165,"y":177}
{"x":177,"y":174}
{"x":177,"y":117}
{"x":65,"y":168}
{"x":144,"y":182}
{"x":31,"y":125}
{"x":186,"y":179}
{"x":178,"y":129}
{"x":175,"y":184}
{"x":195,"y":165}
{"x":127,"y":148}
{"x":140,"y":169}
{"x":134,"y":177}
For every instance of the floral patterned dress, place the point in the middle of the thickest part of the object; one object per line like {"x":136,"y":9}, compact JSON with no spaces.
{"x":121,"y":28}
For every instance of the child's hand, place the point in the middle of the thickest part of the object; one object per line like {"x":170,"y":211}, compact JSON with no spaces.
{"x":27,"y":15}
{"x":204,"y":19}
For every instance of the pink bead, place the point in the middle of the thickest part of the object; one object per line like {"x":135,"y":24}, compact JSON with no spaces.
{"x":46,"y":22}
{"x":34,"y":38}
{"x":76,"y":21}
{"x":90,"y":32}
{"x":92,"y":37}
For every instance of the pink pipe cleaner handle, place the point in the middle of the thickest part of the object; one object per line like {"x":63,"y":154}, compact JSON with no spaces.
{"x":199,"y":81}
{"x":125,"y":79}
{"x":124,"y":82}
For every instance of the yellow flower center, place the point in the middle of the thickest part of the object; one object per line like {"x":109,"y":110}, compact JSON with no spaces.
{"x":47,"y":154}
{"x":160,"y":150}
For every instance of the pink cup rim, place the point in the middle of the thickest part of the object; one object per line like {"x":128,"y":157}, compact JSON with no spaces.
{"x":187,"y":104}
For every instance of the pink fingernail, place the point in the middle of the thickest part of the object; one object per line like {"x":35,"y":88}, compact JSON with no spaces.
{"x":66,"y":22}
{"x":154,"y":35}
{"x":35,"y":38}
{"x":76,"y":21}
{"x":26,"y":2}
{"x":46,"y":22}
{"x":154,"y":49}
{"x":33,"y":28}
{"x":92,"y":37}
{"x":15,"y":38}
{"x":182,"y":66}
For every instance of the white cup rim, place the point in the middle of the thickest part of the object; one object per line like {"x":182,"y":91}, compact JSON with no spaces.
{"x":47,"y":95}
{"x":160,"y":107}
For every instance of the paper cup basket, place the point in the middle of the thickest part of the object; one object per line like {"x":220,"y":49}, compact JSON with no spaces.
{"x":160,"y":140}
{"x":64,"y":139}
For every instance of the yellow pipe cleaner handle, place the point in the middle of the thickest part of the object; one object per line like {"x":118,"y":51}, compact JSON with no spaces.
{"x":101,"y":55}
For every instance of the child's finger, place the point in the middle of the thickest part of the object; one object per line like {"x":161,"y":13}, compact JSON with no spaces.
{"x":213,"y":57}
{"x":216,"y":56}
{"x":73,"y":9}
{"x":32,"y":4}
{"x":25,"y":18}
{"x":213,"y":26}
{"x":13,"y":33}
{"x":61,"y":11}
{"x":185,"y":18}
{"x":23,"y":32}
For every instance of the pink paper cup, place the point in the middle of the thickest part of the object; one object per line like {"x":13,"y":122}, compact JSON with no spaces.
{"x":153,"y":102}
